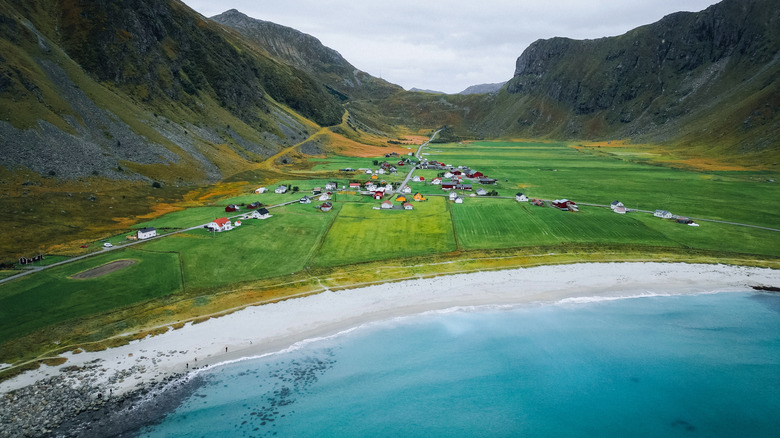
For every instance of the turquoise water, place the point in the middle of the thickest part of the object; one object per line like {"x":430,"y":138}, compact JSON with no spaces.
{"x":676,"y":366}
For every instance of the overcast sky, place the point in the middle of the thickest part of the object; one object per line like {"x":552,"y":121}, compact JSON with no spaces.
{"x":448,"y":45}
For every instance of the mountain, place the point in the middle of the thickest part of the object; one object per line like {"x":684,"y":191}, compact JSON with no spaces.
{"x":707,"y":81}
{"x":144,"y":90}
{"x":307,"y":53}
{"x":483,"y":88}
{"x":420,"y":90}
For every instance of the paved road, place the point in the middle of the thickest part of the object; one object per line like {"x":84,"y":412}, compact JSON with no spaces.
{"x":417,"y":154}
{"x":30,"y":270}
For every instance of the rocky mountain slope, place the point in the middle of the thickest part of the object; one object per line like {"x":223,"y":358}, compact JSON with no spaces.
{"x":143,"y":89}
{"x":706,"y":80}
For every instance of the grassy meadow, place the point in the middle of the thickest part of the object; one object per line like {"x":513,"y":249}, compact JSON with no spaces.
{"x":301,"y":244}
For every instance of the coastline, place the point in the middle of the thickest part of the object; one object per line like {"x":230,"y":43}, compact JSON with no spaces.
{"x":120,"y":378}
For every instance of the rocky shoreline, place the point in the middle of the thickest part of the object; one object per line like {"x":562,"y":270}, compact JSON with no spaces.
{"x":74,"y":405}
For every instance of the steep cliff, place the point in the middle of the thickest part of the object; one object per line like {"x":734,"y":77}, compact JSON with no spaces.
{"x":690,"y":78}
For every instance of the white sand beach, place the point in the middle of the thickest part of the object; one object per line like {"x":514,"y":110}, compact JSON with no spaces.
{"x":273,"y":327}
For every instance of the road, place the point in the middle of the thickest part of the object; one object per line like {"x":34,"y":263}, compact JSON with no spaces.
{"x":417,"y":154}
{"x":30,"y":270}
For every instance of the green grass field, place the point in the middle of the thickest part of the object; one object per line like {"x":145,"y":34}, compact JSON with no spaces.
{"x":553,"y":170}
{"x":361,"y":233}
{"x":280,"y":245}
{"x":51,"y":296}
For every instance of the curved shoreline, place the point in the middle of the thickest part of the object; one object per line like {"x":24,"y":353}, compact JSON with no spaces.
{"x":132,"y":369}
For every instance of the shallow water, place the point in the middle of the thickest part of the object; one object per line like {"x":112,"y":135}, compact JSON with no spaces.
{"x":696,"y":365}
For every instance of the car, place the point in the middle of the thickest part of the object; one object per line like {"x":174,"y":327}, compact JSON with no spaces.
{"x":107,"y":245}
{"x":85,"y":246}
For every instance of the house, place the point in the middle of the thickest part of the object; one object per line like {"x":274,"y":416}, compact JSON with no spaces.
{"x":326,"y":207}
{"x":387,"y":205}
{"x":436,"y":181}
{"x":280,"y":189}
{"x":476,"y":175}
{"x":316,"y":190}
{"x":231,"y":208}
{"x":565,"y":205}
{"x":220,"y":224}
{"x":378,"y":195}
{"x":418,"y":197}
{"x":255,"y":205}
{"x":374,"y":176}
{"x":371,"y":187}
{"x":369,"y":172}
{"x":354,"y":186}
{"x":519,"y":197}
{"x":537,"y":202}
{"x":305,"y":200}
{"x":616,"y":204}
{"x":406,"y":190}
{"x":449,"y":185}
{"x":261,"y":190}
{"x":684,"y":220}
{"x":146,"y":233}
{"x":664,"y":214}
{"x":418,"y":178}
{"x":400,"y":198}
{"x":620,"y":210}
{"x":331,"y":185}
{"x":237,"y":224}
{"x":448,"y":174}
{"x":453,"y":196}
{"x":459,"y":200}
{"x":260,"y":214}
{"x":487,"y":180}
{"x":324,"y":197}
{"x":408,"y":206}
{"x":381,"y":171}
{"x":463,"y":187}
{"x":481,"y":192}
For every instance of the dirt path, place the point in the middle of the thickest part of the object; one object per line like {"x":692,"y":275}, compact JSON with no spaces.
{"x":105,"y":269}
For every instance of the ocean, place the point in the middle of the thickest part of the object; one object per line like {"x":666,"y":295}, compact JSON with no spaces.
{"x":657,"y":366}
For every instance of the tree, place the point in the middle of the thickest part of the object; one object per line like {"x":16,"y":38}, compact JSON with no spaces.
{"x":295,"y":188}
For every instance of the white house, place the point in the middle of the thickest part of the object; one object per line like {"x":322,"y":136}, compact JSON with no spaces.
{"x":406,"y":189}
{"x":387,"y":205}
{"x":616,"y":204}
{"x":459,"y":200}
{"x":260,"y":214}
{"x":305,"y":200}
{"x":664,"y":214}
{"x":261,"y":190}
{"x":619,"y":209}
{"x":221,"y":224}
{"x":481,"y":192}
{"x":416,"y":178}
{"x":324,"y":197}
{"x":408,"y":206}
{"x":453,"y":196}
{"x":381,"y":171}
{"x":146,"y":233}
{"x":519,"y":197}
{"x":237,"y":224}
{"x":280,"y":189}
{"x":331,"y":186}
{"x":368,"y":171}
{"x":448,"y":174}
{"x":436,"y":181}
{"x":371,"y":187}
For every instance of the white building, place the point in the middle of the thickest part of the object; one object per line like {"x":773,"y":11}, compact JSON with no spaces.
{"x":280,"y":189}
{"x":146,"y":233}
{"x":261,"y":190}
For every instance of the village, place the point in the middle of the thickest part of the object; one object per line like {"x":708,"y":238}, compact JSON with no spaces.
{"x":456,"y":183}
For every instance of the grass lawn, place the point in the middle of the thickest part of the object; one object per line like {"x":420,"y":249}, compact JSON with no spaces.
{"x":554,"y":170}
{"x":280,"y":245}
{"x":484,"y":223}
{"x":186,"y":218}
{"x":361,"y":233}
{"x":51,"y":296}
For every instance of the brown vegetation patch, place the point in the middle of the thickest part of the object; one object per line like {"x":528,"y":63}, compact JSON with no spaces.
{"x":104,"y":269}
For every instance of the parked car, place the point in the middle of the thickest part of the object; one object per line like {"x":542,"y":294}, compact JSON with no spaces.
{"x":107,"y":245}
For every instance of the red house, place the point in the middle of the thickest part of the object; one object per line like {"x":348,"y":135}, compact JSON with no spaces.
{"x":378,"y":195}
{"x":231,"y":208}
